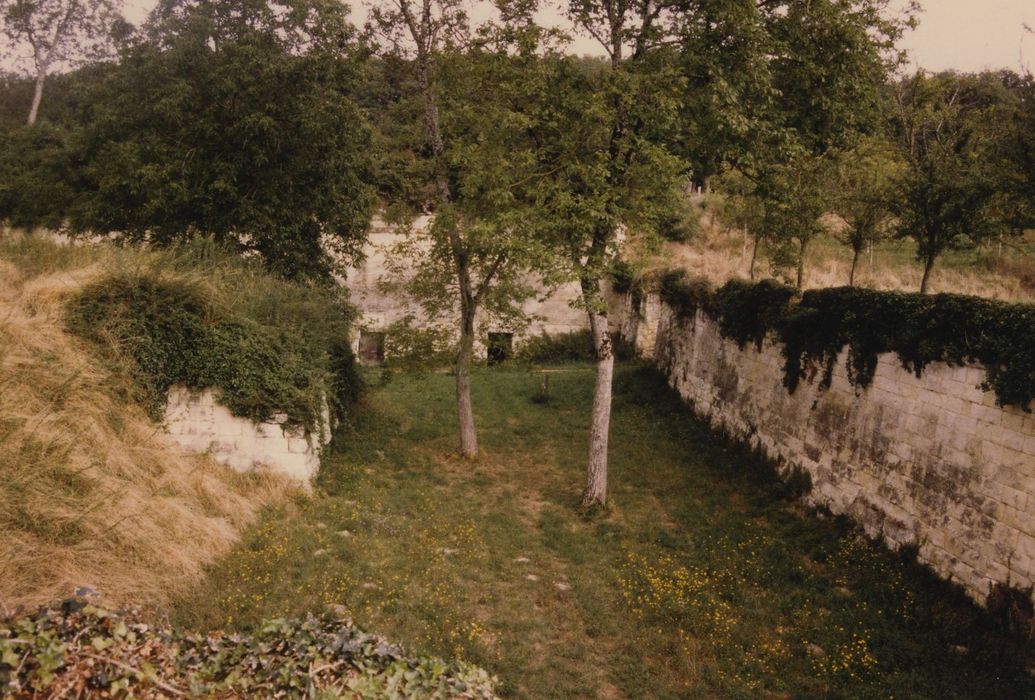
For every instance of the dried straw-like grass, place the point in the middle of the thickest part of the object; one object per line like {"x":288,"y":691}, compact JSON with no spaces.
{"x":91,"y":491}
{"x":719,"y":254}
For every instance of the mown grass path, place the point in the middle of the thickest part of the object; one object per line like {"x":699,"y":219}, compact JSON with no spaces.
{"x":705,"y":580}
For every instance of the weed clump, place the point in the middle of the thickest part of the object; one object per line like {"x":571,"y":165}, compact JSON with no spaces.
{"x":76,"y":646}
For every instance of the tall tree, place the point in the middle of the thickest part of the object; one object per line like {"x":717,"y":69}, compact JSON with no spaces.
{"x":601,"y":135}
{"x":456,"y":137}
{"x":56,"y":32}
{"x":233,"y":119}
{"x":948,"y":188}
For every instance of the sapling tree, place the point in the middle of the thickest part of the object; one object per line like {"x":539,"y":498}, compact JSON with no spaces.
{"x":49,"y":33}
{"x":864,"y":196}
{"x":745,"y":210}
{"x":793,"y":200}
{"x":459,"y":121}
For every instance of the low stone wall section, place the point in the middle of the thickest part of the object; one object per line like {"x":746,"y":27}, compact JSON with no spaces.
{"x":200,"y":424}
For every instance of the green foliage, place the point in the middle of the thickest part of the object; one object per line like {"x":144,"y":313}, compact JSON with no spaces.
{"x":284,"y":354}
{"x":948,"y":328}
{"x":34,"y":186}
{"x":686,"y":294}
{"x":946,"y":129}
{"x":314,"y":657}
{"x":748,"y":311}
{"x":225,"y":119}
{"x":576,"y":346}
{"x":412,"y":347}
{"x":920,"y":329}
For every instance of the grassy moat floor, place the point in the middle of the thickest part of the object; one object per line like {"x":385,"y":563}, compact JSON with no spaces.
{"x":704,"y":580}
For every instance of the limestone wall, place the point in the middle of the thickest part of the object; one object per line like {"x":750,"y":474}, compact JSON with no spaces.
{"x":928,"y":461}
{"x":199,"y":423}
{"x":551,"y":311}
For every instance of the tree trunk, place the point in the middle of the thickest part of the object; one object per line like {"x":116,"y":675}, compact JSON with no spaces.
{"x":464,"y":408}
{"x":803,"y":245}
{"x":754,"y":257}
{"x":928,"y":266}
{"x":595,"y":493}
{"x":37,"y":97}
{"x":855,"y":263}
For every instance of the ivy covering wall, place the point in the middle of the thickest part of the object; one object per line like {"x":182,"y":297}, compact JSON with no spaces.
{"x":814,"y":327}
{"x":268,"y":345}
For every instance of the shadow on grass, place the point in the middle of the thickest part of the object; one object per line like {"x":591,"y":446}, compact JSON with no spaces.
{"x":705,"y":578}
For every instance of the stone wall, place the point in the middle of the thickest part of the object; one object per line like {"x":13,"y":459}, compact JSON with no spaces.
{"x":930,"y":462}
{"x":199,"y":423}
{"x":551,"y":311}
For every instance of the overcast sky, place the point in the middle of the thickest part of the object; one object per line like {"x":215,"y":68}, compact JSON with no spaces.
{"x":967,"y":35}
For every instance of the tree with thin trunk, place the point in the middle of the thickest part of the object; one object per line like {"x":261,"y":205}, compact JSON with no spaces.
{"x":794,"y":195}
{"x":459,"y":121}
{"x":948,"y":186}
{"x":865,"y":196}
{"x":744,"y":210}
{"x":49,"y":33}
{"x":601,"y":128}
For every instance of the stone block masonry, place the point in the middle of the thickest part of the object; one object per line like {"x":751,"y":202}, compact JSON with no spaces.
{"x":927,"y":461}
{"x":199,"y":424}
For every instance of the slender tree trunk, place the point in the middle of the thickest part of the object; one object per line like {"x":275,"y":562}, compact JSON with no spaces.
{"x":421,"y":32}
{"x":37,"y":97}
{"x":855,"y":263}
{"x":754,"y":257}
{"x":464,"y":408}
{"x":595,"y":493}
{"x":928,"y":266}
{"x":803,"y":245}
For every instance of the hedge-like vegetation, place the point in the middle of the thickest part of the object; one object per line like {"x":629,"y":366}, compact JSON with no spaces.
{"x":268,"y":345}
{"x":76,"y":648}
{"x":816,"y":326}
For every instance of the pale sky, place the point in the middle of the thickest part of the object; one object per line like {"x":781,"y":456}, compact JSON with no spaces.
{"x":966,"y":35}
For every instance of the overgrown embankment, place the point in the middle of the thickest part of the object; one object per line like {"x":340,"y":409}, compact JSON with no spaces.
{"x":92,"y":492}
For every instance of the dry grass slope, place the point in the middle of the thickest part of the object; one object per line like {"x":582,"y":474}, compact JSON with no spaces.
{"x":91,"y":491}
{"x":719,"y":254}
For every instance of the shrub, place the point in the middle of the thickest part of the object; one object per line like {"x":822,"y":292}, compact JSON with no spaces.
{"x":560,"y":348}
{"x":412,"y":348}
{"x":264,"y":357}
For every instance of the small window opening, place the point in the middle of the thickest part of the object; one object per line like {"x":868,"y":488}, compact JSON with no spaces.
{"x":372,"y":347}
{"x":501,"y":347}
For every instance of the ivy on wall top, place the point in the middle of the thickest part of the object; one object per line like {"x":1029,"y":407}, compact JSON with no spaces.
{"x":816,"y":326}
{"x":166,"y":331}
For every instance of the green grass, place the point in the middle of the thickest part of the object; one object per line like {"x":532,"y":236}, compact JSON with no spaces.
{"x":705,"y":579}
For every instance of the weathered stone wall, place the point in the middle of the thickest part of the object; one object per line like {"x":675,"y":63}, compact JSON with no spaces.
{"x":199,"y":423}
{"x":636,"y":317}
{"x":928,"y":461}
{"x":550,"y":311}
